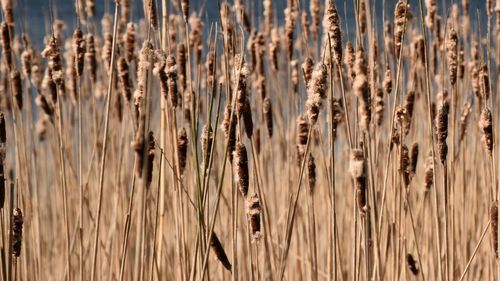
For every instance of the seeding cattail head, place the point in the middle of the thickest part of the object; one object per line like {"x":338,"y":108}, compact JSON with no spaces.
{"x":17,"y":88}
{"x":90,"y":56}
{"x":79,"y":50}
{"x":206,"y":140}
{"x":219,"y":252}
{"x":26,"y":63}
{"x":129,"y":42}
{"x":185,"y":8}
{"x":302,"y":133}
{"x":362,"y":17}
{"x":8,"y":13}
{"x":44,"y":105}
{"x":6,"y":46}
{"x":268,"y":15}
{"x":401,"y":15}
{"x":429,"y":171}
{"x":451,"y":46}
{"x":357,"y":163}
{"x":485,"y":82}
{"x":151,"y":158}
{"x":331,"y":24}
{"x":268,"y":116}
{"x":229,"y":129}
{"x":412,"y":264}
{"x":486,"y":126}
{"x":494,"y":227}
{"x":181,"y":59}
{"x":3,"y":132}
{"x":145,"y":60}
{"x":442,"y":130}
{"x":182,"y":146}
{"x":53,"y":53}
{"x":464,"y":119}
{"x":253,"y":215}
{"x":311,"y":172}
{"x":350,"y":57}
{"x":289,"y":28}
{"x":241,"y":168}
{"x":17,"y":232}
{"x":404,"y":162}
{"x":388,"y":81}
{"x":412,"y":167}
{"x":316,"y":92}
{"x":124,"y":79}
{"x":379,"y":106}
{"x":274,"y":48}
{"x":307,"y":69}
{"x":150,"y":11}
{"x":408,"y":110}
{"x":362,"y":89}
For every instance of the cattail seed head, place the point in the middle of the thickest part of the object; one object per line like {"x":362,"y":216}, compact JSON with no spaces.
{"x":171,"y":72}
{"x":311,"y":173}
{"x":404,"y":161}
{"x":241,"y":168}
{"x":302,"y":132}
{"x":185,"y":8}
{"x":401,"y":15}
{"x":362,"y":89}
{"x":442,"y":130}
{"x":412,"y":167}
{"x":451,"y":46}
{"x":253,"y":215}
{"x":129,"y":42}
{"x":494,"y":227}
{"x":350,"y":57}
{"x":182,"y":146}
{"x":316,"y":92}
{"x":412,"y":264}
{"x":307,"y":69}
{"x":79,"y":50}
{"x":17,"y":231}
{"x":429,"y":171}
{"x":268,"y":116}
{"x":206,"y":140}
{"x":331,"y":24}
{"x":486,"y":126}
{"x":357,"y":163}
{"x":219,"y":252}
{"x":124,"y":79}
{"x":6,"y":46}
{"x":388,"y":81}
{"x":229,"y":129}
{"x":464,"y":119}
{"x":17,"y":88}
{"x":150,"y":158}
{"x":90,"y":56}
{"x":53,"y":53}
{"x":181,"y":59}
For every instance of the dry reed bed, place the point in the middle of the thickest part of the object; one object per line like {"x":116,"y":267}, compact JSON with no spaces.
{"x":260,"y":145}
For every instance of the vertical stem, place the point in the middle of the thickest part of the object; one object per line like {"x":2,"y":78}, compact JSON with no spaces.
{"x":105,"y":141}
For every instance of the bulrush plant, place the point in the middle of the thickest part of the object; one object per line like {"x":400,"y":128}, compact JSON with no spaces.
{"x":292,"y":140}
